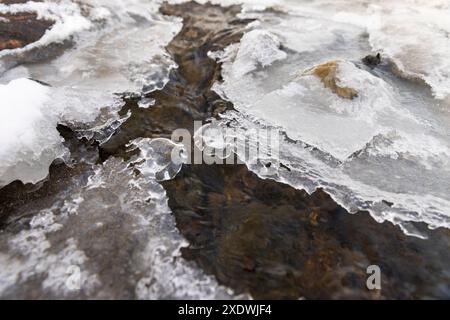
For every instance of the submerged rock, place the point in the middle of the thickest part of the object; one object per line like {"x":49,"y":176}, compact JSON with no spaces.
{"x":328,"y":73}
{"x":254,"y":235}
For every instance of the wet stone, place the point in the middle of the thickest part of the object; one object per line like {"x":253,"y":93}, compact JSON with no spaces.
{"x":327,"y":73}
{"x":253,"y":235}
{"x":18,"y":30}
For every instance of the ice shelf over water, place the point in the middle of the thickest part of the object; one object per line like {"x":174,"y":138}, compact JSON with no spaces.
{"x":106,"y":59}
{"x":67,"y":17}
{"x":28,"y":137}
{"x":387,"y":150}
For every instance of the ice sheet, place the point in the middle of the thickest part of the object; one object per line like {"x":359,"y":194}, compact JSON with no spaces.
{"x":389,"y":145}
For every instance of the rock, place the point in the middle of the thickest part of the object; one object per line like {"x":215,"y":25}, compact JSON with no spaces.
{"x":18,"y":30}
{"x":372,"y":60}
{"x":188,"y":96}
{"x":108,"y":240}
{"x":327,"y":73}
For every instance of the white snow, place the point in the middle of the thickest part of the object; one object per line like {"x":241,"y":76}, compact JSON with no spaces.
{"x":28,"y":137}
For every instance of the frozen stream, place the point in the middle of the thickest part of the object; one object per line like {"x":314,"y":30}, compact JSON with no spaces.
{"x":377,"y":139}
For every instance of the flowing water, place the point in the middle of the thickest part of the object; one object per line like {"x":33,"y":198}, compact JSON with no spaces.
{"x":89,"y":99}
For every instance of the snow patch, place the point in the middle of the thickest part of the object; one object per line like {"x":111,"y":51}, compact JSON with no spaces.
{"x":28,"y":136}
